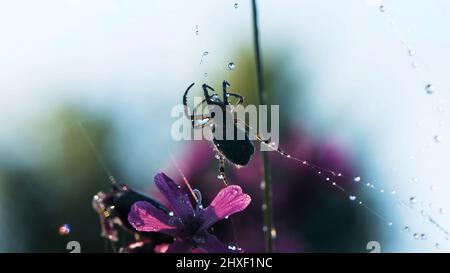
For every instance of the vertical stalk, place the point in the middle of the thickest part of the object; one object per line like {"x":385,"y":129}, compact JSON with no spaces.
{"x":269,"y":230}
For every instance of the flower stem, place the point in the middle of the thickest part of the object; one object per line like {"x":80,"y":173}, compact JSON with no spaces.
{"x":262,"y":94}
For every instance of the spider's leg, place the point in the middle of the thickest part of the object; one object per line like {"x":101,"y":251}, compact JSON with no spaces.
{"x":239,"y":97}
{"x":186,"y":109}
{"x":225,"y":85}
{"x":206,"y":93}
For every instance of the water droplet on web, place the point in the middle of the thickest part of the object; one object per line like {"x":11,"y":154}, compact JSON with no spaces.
{"x":414,"y":64}
{"x":197,"y":32}
{"x":205,"y":75}
{"x":437,"y":245}
{"x":414,"y":180}
{"x":231,"y":66}
{"x":352,"y":198}
{"x":442,"y":211}
{"x":264,"y":207}
{"x":389,"y":223}
{"x":262,"y":185}
{"x":433,"y":188}
{"x":406,"y":229}
{"x":382,"y":8}
{"x":411,"y":52}
{"x":273,"y":233}
{"x":393,"y":192}
{"x":437,"y":138}
{"x":423,"y":236}
{"x":236,"y":5}
{"x":357,"y":179}
{"x":220,"y":176}
{"x":430,"y":88}
{"x":416,"y":235}
{"x":205,"y":53}
{"x":413,"y":200}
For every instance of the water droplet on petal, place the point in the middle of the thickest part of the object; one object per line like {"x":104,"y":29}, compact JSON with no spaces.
{"x":231,"y":66}
{"x":357,"y":179}
{"x":430,"y":88}
{"x":233,"y":247}
{"x":64,"y":229}
{"x":171,"y":213}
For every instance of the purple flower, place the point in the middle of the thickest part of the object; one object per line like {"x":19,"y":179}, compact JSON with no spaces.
{"x":188,"y":225}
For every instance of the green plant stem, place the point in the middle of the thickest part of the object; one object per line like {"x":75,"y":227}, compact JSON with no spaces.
{"x":267,"y":189}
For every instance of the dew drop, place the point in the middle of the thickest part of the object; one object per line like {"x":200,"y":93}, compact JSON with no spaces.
{"x":236,"y":5}
{"x":389,"y":223}
{"x":273,"y":233}
{"x":437,"y":138}
{"x":430,"y":88}
{"x":233,"y":247}
{"x":197,"y":32}
{"x":433,"y":188}
{"x":423,"y":236}
{"x":262,"y":185}
{"x":437,"y":245}
{"x":416,"y":236}
{"x":411,"y":52}
{"x":205,"y":53}
{"x":413,"y":200}
{"x":414,"y":64}
{"x":231,"y":65}
{"x":406,"y":229}
{"x":393,"y":192}
{"x":357,"y":178}
{"x":352,"y":198}
{"x":220,"y":176}
{"x":264,"y":207}
{"x":171,"y":213}
{"x":382,"y":8}
{"x":442,"y":211}
{"x":64,"y":229}
{"x":414,"y":180}
{"x":205,"y":75}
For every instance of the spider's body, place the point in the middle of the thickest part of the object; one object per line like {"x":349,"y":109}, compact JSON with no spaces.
{"x":236,"y":150}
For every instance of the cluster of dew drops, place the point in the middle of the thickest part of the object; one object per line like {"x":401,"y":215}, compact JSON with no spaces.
{"x":430,"y":89}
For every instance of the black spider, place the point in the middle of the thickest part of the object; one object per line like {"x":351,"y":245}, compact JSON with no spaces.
{"x":237,"y":151}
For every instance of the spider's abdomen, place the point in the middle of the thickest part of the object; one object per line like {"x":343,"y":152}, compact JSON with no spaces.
{"x":237,"y":151}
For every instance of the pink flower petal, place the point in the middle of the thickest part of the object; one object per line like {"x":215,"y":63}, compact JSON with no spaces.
{"x":228,"y":201}
{"x":179,"y":247}
{"x":143,"y":216}
{"x":177,"y":197}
